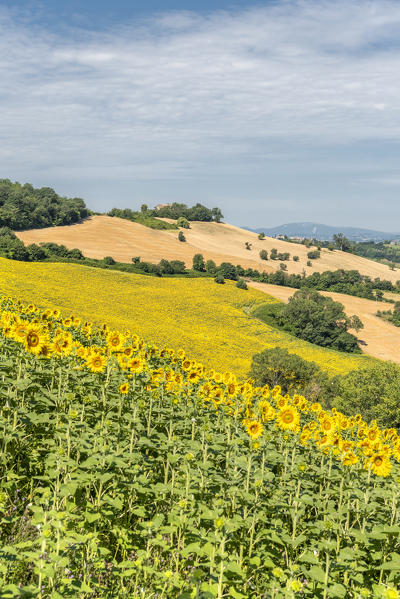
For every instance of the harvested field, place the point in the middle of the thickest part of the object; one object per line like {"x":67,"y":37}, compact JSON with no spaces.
{"x":102,"y":235}
{"x":380,"y":338}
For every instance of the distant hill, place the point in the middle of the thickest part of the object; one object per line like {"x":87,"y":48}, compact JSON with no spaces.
{"x":326,"y":232}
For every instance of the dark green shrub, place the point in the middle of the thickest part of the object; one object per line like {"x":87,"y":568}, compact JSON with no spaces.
{"x":219,"y":278}
{"x":181,"y":236}
{"x":198,"y":263}
{"x":264,"y":255}
{"x":109,"y":260}
{"x":241,"y":284}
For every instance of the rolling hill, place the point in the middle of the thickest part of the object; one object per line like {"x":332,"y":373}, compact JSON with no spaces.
{"x":101,"y":236}
{"x":326,"y":232}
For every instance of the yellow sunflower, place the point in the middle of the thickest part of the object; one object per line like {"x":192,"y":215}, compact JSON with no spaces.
{"x":254,"y":429}
{"x":267,"y":411}
{"x":349,"y":459}
{"x":288,"y":419}
{"x":96,"y":362}
{"x":34,"y":340}
{"x":124,"y":388}
{"x":115,"y":341}
{"x":380,"y":464}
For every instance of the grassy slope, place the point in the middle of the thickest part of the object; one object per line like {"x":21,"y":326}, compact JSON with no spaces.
{"x":211,"y":322}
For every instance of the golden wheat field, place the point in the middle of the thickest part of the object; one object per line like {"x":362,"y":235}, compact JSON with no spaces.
{"x":210,"y":322}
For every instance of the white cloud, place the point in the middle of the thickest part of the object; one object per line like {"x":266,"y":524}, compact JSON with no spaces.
{"x":184,"y":93}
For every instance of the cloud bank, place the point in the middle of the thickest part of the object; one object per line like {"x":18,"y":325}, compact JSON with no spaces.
{"x":184,"y":95}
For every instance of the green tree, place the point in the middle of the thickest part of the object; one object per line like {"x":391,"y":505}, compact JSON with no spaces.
{"x":228,"y":271}
{"x":217,"y":215}
{"x":181,"y":236}
{"x":247,"y":245}
{"x":261,"y":236}
{"x":374,"y":392}
{"x":241,"y":284}
{"x":341,"y":242}
{"x":318,"y":319}
{"x":277,"y":366}
{"x":264,"y":255}
{"x":198,"y":262}
{"x":273,"y":254}
{"x":219,"y":278}
{"x":183,"y":222}
{"x":211,"y":267}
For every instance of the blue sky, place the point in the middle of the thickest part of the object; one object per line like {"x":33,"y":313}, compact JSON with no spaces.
{"x":275,"y":111}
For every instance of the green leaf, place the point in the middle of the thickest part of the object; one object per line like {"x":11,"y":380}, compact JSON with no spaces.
{"x":337,"y":590}
{"x":317,"y":573}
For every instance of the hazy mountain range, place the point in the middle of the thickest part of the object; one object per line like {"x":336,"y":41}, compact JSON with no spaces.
{"x":325,"y":232}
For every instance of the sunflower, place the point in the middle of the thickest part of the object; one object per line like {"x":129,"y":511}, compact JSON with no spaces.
{"x":231,"y":390}
{"x":373,"y":434}
{"x":136,"y":365}
{"x":379,"y":464}
{"x":349,"y":458}
{"x":115,"y":341}
{"x":186,"y":364}
{"x":96,"y":362}
{"x":327,"y":425}
{"x":267,"y":411}
{"x":193,"y":377}
{"x":124,"y":388}
{"x":19,"y":330}
{"x":254,"y":429}
{"x":288,"y":419}
{"x":34,"y":340}
{"x":281,"y":402}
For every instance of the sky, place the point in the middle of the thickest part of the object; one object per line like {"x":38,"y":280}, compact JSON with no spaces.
{"x":275,"y":111}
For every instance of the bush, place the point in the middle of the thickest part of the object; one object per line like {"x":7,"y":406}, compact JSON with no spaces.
{"x":282,"y":266}
{"x":136,"y":259}
{"x":295,"y":258}
{"x":109,"y":260}
{"x":211,"y":267}
{"x":372,"y":392}
{"x":309,"y":263}
{"x":183,"y":222}
{"x":198,"y":263}
{"x":181,"y":236}
{"x":261,"y":236}
{"x":241,"y":284}
{"x":228,"y":271}
{"x":264,"y":255}
{"x":318,"y":319}
{"x":277,"y":366}
{"x":273,"y":254}
{"x":314,"y":255}
{"x":219,"y":278}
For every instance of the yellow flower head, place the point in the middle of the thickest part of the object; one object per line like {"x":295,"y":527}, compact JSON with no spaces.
{"x":288,"y":419}
{"x":254,"y":429}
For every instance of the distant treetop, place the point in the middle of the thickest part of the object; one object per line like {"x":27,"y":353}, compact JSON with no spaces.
{"x":197,"y":212}
{"x":24,"y":207}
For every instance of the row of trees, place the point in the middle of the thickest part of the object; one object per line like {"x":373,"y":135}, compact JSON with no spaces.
{"x":179,"y":212}
{"x":24,"y":207}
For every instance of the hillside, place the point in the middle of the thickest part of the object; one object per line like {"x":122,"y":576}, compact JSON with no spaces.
{"x":212,"y":323}
{"x":134,"y":472}
{"x":326,"y":232}
{"x":101,"y":236}
{"x":378,"y":337}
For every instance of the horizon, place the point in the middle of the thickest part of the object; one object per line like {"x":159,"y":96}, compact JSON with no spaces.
{"x":266,"y":109}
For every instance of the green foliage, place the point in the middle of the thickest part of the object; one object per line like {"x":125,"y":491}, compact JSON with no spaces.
{"x":109,"y":260}
{"x":183,"y":222}
{"x":264,"y":255}
{"x":172,"y":267}
{"x":277,"y":366}
{"x":247,"y":245}
{"x":373,"y":392}
{"x":181,"y":236}
{"x":241,"y":284}
{"x":273,"y":254}
{"x":228,"y":271}
{"x":24,"y":207}
{"x":261,"y":236}
{"x":198,"y":262}
{"x":144,"y":217}
{"x":318,"y":319}
{"x":197,"y":212}
{"x":341,"y":242}
{"x":211,"y":267}
{"x":296,"y":258}
{"x":314,"y":254}
{"x":283,"y":266}
{"x":219,"y":278}
{"x":309,"y":263}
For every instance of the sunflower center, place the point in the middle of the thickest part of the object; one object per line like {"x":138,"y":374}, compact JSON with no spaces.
{"x":32,"y":339}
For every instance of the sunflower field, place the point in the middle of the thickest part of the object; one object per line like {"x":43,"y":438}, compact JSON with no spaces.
{"x":212,"y":322}
{"x":130,"y":470}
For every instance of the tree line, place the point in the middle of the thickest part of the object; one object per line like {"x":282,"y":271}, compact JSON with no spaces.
{"x":25,"y":207}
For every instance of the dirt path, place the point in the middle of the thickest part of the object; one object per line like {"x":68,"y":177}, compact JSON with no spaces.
{"x":382,"y":339}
